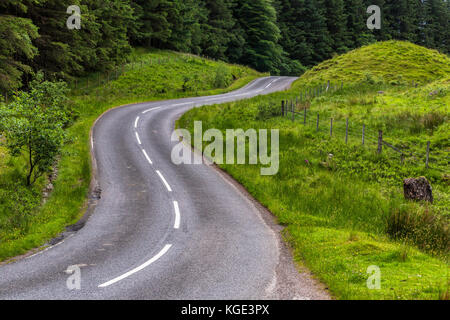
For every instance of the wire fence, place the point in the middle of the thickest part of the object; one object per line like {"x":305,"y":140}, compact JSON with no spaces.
{"x":298,"y":110}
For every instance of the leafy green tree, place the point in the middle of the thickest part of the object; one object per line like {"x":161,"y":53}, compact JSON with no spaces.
{"x":33,"y":125}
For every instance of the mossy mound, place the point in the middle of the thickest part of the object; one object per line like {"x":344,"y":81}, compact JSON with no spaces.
{"x":390,"y":62}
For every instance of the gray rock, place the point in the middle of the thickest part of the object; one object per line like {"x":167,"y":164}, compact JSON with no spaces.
{"x":418,"y":189}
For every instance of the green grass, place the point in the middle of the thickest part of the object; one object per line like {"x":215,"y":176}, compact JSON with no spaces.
{"x":24,"y":222}
{"x":339,"y":211}
{"x":393,"y":62}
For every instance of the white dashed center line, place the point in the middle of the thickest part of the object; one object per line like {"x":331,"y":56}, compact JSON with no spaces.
{"x":176,"y":225}
{"x":150,"y":110}
{"x":164,"y":181}
{"x":137,"y":269}
{"x":146,"y":156}
{"x":137,"y":137}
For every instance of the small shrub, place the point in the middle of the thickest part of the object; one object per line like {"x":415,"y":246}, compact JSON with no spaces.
{"x":223,"y":77}
{"x":429,"y":231}
{"x":433,"y":120}
{"x":267,"y":111}
{"x":17,"y":203}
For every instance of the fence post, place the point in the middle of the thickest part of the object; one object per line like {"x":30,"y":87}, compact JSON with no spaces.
{"x":282,"y":108}
{"x":304,"y":117}
{"x":328,"y":85}
{"x":428,"y":154}
{"x":292,"y":107}
{"x":331,"y":127}
{"x":317,"y":125}
{"x":346,"y":132}
{"x":380,"y":141}
{"x":363,"y":133}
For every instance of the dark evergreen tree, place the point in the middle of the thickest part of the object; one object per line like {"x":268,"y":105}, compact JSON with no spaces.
{"x":218,"y":30}
{"x":336,"y":18}
{"x":402,"y":19}
{"x":436,"y":25}
{"x":259,"y":22}
{"x":151,"y":27}
{"x":358,"y":33}
{"x":16,"y":51}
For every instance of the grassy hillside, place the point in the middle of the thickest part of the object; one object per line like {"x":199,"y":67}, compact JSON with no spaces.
{"x":342,"y":204}
{"x":151,"y":75}
{"x":390,"y":62}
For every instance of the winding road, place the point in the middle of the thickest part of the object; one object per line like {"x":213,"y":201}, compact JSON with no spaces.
{"x":162,"y":231}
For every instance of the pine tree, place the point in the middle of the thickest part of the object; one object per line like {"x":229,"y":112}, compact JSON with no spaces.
{"x":356,"y":24}
{"x":151,"y":27}
{"x":258,"y":19}
{"x":402,"y":19}
{"x":16,"y":51}
{"x":186,"y":18}
{"x":218,"y":29}
{"x":336,"y":19}
{"x":436,"y":31}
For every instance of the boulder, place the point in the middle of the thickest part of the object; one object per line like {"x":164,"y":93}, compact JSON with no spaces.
{"x":418,"y":189}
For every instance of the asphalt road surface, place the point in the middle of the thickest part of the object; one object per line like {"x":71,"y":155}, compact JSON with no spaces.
{"x":162,"y":231}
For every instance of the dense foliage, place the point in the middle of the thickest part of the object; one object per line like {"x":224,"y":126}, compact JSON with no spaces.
{"x":280,"y":36}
